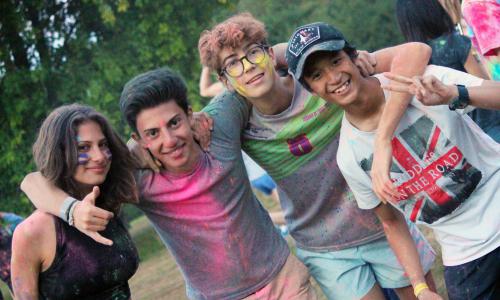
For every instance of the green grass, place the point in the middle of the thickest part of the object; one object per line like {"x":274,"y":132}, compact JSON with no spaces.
{"x":5,"y":291}
{"x":148,"y":243}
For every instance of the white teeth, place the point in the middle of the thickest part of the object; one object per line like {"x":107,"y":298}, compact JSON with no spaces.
{"x":342,"y":88}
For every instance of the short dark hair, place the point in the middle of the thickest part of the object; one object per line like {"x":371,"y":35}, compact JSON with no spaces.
{"x":149,"y":90}
{"x":348,"y":49}
{"x":56,"y":155}
{"x":422,"y":20}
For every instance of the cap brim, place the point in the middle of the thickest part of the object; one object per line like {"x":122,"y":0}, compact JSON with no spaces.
{"x":332,"y":45}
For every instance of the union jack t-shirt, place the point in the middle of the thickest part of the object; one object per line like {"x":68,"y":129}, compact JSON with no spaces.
{"x":446,"y":169}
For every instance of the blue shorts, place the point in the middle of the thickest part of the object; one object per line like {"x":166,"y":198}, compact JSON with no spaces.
{"x":264,"y":183}
{"x":351,"y":273}
{"x":478,"y":279}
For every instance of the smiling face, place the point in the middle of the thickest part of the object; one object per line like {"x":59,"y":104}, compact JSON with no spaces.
{"x":165,"y":131}
{"x":333,"y":76}
{"x":256,"y":79}
{"x":94,"y":155}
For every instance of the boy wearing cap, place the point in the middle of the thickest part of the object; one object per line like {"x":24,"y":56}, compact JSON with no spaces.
{"x":446,"y":170}
{"x":294,"y":136}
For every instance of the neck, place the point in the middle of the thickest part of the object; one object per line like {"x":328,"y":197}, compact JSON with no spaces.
{"x":365,"y":112}
{"x":278,"y":98}
{"x":190,"y":165}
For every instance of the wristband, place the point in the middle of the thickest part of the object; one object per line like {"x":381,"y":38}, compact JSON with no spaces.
{"x":419,"y":288}
{"x":66,"y":206}
{"x":71,"y":221}
{"x":462,"y":100}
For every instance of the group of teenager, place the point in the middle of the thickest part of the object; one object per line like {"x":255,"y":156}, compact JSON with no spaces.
{"x":324,"y":131}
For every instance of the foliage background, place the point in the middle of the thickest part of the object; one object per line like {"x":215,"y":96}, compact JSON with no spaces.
{"x":57,"y":52}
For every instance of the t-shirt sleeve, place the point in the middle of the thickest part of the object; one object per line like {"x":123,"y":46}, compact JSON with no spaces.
{"x":230,"y":113}
{"x":143,"y":178}
{"x":359,"y":182}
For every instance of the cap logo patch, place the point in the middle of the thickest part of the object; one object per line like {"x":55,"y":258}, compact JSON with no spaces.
{"x":302,"y":38}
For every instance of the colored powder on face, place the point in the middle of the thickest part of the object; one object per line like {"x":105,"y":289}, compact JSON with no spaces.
{"x":108,"y":153}
{"x":238,"y":87}
{"x":83,"y":158}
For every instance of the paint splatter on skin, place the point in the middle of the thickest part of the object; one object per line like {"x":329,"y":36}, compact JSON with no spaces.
{"x":83,"y":158}
{"x":108,"y":154}
{"x":238,"y":87}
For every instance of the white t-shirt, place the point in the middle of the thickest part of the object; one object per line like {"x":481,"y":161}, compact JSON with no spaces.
{"x":447,"y":166}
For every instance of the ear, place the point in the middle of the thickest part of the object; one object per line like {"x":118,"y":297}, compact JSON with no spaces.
{"x":189,"y":113}
{"x":138,"y":140}
{"x":270,"y":52}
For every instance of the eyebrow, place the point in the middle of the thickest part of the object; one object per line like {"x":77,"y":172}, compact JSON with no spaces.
{"x":244,"y":48}
{"x":85,"y":141}
{"x":167,"y":122}
{"x":225,"y":59}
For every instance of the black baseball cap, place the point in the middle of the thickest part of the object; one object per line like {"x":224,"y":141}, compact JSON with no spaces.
{"x":308,"y":39}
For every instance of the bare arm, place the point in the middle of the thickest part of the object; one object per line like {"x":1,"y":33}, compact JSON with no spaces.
{"x":207,"y":87}
{"x":472,"y":66}
{"x":88,"y":218}
{"x":485,"y":96}
{"x":408,"y":59}
{"x":39,"y":189}
{"x":399,"y":237}
{"x":26,"y":262}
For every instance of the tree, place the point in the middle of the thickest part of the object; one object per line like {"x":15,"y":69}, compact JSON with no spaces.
{"x":57,"y":52}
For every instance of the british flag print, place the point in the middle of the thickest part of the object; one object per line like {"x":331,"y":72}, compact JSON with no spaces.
{"x":431,"y":173}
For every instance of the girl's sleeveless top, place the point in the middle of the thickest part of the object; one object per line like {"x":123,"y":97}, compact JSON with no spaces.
{"x":85,"y":269}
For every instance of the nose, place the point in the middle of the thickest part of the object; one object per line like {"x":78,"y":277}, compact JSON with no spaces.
{"x":169,"y":140}
{"x":98,"y":155}
{"x":333,"y":76}
{"x":247,"y":65}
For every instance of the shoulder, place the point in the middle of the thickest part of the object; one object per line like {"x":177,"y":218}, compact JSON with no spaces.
{"x":226,"y":100}
{"x":38,"y":229}
{"x":36,"y":226}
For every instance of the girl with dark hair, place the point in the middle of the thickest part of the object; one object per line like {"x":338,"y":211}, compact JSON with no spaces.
{"x":77,"y":150}
{"x":428,"y":22}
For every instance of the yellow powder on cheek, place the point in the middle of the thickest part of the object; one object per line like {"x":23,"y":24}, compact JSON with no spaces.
{"x":238,"y":87}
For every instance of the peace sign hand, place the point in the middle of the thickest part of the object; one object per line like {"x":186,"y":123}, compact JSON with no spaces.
{"x":427,"y":89}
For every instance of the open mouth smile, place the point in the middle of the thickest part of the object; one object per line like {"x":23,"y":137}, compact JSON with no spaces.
{"x":342,"y":88}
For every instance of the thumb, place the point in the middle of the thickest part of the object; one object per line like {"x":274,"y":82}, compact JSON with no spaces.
{"x":90,"y":198}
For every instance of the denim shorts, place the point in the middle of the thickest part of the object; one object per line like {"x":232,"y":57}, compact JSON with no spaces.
{"x":351,"y":273}
{"x":478,"y":279}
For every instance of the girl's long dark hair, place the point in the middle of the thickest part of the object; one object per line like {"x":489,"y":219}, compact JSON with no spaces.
{"x":56,"y":156}
{"x":422,"y":20}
